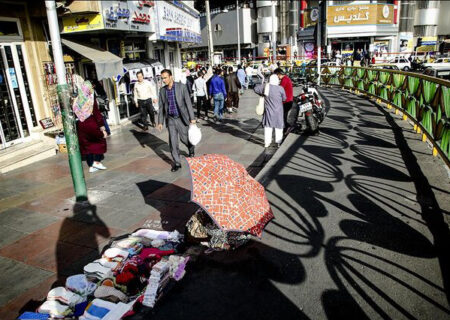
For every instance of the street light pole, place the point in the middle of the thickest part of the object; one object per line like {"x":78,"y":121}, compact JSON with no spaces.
{"x":210,"y":38}
{"x":238,"y":34}
{"x":319,"y":43}
{"x":274,"y":34}
{"x":73,"y":149}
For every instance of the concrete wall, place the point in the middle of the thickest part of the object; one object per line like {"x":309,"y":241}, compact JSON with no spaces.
{"x":227,"y":21}
{"x":444,"y":20}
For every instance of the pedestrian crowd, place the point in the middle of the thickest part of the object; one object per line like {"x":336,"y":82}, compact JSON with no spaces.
{"x":209,"y":88}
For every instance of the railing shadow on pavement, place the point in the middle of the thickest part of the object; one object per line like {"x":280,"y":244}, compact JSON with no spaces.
{"x":376,"y":223}
{"x":236,"y":283}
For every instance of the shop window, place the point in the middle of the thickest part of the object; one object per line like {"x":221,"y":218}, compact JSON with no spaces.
{"x":134,"y":49}
{"x":9,"y":29}
{"x":171,"y":58}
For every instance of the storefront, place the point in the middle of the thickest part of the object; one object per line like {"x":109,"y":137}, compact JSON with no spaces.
{"x":367,"y":27}
{"x":21,"y":106}
{"x":122,"y":28}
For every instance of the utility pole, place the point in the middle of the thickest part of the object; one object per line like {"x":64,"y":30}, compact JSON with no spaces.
{"x":319,"y":42}
{"x":274,"y":34}
{"x":210,"y":38}
{"x":238,"y":34}
{"x":73,"y":149}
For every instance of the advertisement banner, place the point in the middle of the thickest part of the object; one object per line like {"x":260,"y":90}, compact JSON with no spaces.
{"x":129,"y":15}
{"x":360,"y":14}
{"x":175,"y":24}
{"x":311,"y":16}
{"x":82,"y":22}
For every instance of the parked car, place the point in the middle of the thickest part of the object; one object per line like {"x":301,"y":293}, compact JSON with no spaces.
{"x":401,"y":62}
{"x":385,"y":66}
{"x":438,"y":62}
{"x":439,"y":71}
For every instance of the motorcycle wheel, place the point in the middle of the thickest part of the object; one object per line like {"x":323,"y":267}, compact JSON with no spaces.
{"x":311,"y":122}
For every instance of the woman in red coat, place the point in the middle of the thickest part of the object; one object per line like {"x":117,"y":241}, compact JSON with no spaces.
{"x":90,"y":127}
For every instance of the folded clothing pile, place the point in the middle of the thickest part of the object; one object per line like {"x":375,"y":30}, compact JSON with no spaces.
{"x":136,"y":270}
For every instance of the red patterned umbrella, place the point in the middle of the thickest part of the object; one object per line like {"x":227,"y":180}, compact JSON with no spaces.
{"x":231,"y":197}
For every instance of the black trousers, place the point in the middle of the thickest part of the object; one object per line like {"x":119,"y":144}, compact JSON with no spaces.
{"x":202,"y":105}
{"x":286,"y":108}
{"x":146,"y":108}
{"x":90,"y":158}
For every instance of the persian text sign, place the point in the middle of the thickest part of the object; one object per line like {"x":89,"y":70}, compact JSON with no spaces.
{"x":175,"y":24}
{"x":360,"y":14}
{"x":82,"y":22}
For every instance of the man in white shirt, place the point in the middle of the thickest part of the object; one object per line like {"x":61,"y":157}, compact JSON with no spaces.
{"x":249,"y":73}
{"x":260,"y":73}
{"x":201,"y":95}
{"x":144,"y":97}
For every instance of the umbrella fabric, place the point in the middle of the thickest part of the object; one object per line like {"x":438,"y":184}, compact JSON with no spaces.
{"x":231,"y":197}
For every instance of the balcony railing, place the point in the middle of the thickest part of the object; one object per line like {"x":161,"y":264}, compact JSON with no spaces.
{"x":424,"y":100}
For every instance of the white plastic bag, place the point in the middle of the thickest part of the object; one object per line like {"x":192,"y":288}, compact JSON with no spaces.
{"x":194,"y":134}
{"x":260,"y":107}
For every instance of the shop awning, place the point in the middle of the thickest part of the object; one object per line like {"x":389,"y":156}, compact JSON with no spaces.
{"x":107,"y":65}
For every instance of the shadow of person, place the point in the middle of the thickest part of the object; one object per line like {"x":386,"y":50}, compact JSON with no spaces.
{"x":78,"y":242}
{"x":238,"y":284}
{"x":172,"y":202}
{"x":153,"y":142}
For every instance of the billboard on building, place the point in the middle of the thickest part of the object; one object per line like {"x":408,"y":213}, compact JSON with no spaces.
{"x":360,"y":14}
{"x":176,"y":24}
{"x":82,"y":22}
{"x":129,"y":15}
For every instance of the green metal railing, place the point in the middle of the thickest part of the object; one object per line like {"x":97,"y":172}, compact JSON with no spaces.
{"x":423,"y":99}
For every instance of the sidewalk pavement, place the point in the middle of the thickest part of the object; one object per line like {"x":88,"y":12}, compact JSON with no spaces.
{"x":46,"y":237}
{"x":360,"y":228}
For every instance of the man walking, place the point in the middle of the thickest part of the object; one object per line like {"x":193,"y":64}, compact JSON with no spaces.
{"x":233,"y":86}
{"x":286,"y":83}
{"x":144,"y":97}
{"x":218,"y":92}
{"x":201,"y":95}
{"x":249,"y":73}
{"x":175,"y":109}
{"x":241,"y":76}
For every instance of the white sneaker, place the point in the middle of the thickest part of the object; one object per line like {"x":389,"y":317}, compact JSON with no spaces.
{"x":92,"y":169}
{"x":99,"y":165}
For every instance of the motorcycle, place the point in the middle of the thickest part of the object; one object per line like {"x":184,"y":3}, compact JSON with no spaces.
{"x":311,"y":107}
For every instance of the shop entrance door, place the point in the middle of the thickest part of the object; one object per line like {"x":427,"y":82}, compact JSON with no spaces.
{"x":16,"y":119}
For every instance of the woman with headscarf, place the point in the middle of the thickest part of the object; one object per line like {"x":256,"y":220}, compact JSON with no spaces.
{"x":90,"y":127}
{"x":274,"y":95}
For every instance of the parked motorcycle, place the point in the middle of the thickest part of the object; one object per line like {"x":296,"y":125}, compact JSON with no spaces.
{"x":310,"y":107}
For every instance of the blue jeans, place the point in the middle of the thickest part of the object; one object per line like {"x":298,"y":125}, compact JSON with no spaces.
{"x":249,"y":81}
{"x":218,"y":104}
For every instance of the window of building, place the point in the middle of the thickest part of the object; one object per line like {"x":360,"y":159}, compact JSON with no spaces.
{"x":10,"y":29}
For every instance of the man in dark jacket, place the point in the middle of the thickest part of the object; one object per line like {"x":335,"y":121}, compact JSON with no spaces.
{"x":175,"y":109}
{"x":233,"y":85}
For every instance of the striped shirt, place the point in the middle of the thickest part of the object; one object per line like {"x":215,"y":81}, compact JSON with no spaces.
{"x":173,"y":109}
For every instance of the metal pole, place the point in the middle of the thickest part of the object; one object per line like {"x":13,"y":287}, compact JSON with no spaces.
{"x":274,"y":34}
{"x":238,"y":34}
{"x":76,"y":168}
{"x":210,"y":38}
{"x":319,"y":43}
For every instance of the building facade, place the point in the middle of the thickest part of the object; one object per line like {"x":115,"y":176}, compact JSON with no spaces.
{"x":23,"y":53}
{"x":224,"y":33}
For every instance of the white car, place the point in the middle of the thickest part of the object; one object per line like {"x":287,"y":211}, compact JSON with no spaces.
{"x":401,"y":62}
{"x":445,"y":62}
{"x":255,"y":69}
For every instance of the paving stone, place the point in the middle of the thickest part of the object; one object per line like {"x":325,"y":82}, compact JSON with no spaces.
{"x":25,"y":221}
{"x":9,"y":235}
{"x":12,"y":277}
